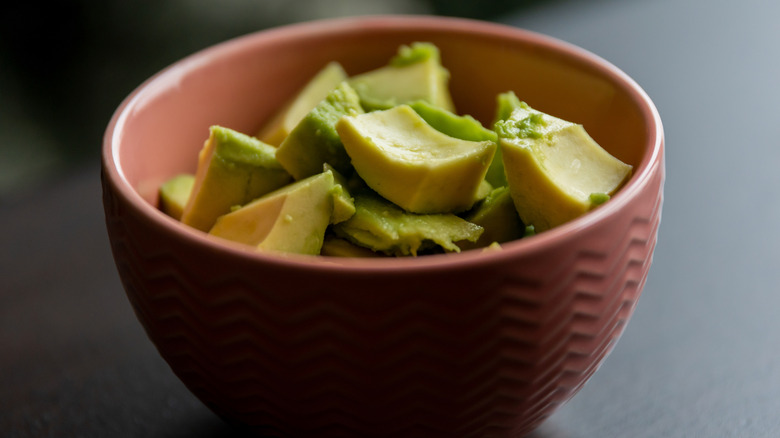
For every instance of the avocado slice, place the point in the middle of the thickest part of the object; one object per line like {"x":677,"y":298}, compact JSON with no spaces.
{"x":505,"y":104}
{"x":174,"y":194}
{"x":233,"y":169}
{"x":317,"y":89}
{"x":410,"y":163}
{"x":314,"y":141}
{"x":463,"y":127}
{"x":553,"y":167}
{"x":343,"y":204}
{"x":292,"y":219}
{"x":384,"y":227}
{"x":498,"y":216}
{"x":483,"y":190}
{"x":415,"y":73}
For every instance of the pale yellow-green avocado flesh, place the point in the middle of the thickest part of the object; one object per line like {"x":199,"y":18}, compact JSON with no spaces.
{"x":498,"y":216}
{"x":382,"y":226}
{"x":174,"y":194}
{"x":292,"y":219}
{"x":420,"y":178}
{"x":554,"y":168}
{"x":233,"y":168}
{"x":307,"y":98}
{"x":343,"y":202}
{"x":411,"y":164}
{"x":414,"y":74}
{"x":314,"y":140}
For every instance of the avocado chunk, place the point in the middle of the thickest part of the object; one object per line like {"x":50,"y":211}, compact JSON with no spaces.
{"x":553,"y":166}
{"x":505,"y":104}
{"x":384,"y":227}
{"x":292,"y":219}
{"x":307,"y":98}
{"x":410,"y":163}
{"x":463,"y":127}
{"x":174,"y":194}
{"x":314,"y":141}
{"x":233,"y":168}
{"x":498,"y":216}
{"x":483,"y":190}
{"x":415,"y":73}
{"x":343,"y":203}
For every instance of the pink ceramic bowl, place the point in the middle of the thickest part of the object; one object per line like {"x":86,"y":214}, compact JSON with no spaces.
{"x":461,"y":345}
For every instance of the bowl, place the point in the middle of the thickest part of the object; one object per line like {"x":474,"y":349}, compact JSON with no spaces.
{"x":480,"y":343}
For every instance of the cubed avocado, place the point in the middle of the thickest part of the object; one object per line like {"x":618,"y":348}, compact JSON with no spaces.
{"x":415,"y":73}
{"x":233,"y":168}
{"x":505,"y":104}
{"x":410,"y":163}
{"x":463,"y":127}
{"x":174,"y":194}
{"x":317,"y":89}
{"x":384,"y":227}
{"x":292,"y":219}
{"x":498,"y":216}
{"x":553,"y":167}
{"x":314,"y":141}
{"x":343,"y":203}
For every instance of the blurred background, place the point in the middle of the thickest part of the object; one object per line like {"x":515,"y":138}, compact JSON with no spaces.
{"x":66,"y":65}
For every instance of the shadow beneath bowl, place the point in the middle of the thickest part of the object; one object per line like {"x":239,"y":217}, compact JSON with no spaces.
{"x":209,"y":426}
{"x":217,"y":428}
{"x":550,"y":430}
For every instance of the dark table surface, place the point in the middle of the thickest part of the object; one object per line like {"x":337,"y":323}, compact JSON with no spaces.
{"x":700,"y":358}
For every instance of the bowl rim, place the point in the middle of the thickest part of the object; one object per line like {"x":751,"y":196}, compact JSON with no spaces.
{"x":643,"y":172}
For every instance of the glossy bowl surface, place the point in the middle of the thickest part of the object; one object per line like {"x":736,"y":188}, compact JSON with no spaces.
{"x":460,"y":345}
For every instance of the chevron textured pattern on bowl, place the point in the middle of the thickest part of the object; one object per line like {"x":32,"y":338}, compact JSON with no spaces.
{"x":482,"y":349}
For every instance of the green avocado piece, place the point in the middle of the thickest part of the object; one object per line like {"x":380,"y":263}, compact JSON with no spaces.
{"x":463,"y":127}
{"x":413,"y":165}
{"x":483,"y":190}
{"x":314,"y":141}
{"x":415,"y":73}
{"x":292,"y":219}
{"x":233,"y":168}
{"x":343,"y":203}
{"x":317,"y":89}
{"x":384,"y":227}
{"x":530,"y":126}
{"x":174,"y":194}
{"x":505,"y":104}
{"x":498,"y":216}
{"x":414,"y":53}
{"x":597,"y":198}
{"x":554,"y":168}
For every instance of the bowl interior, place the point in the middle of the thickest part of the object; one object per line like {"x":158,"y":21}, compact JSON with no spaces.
{"x":160,"y":128}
